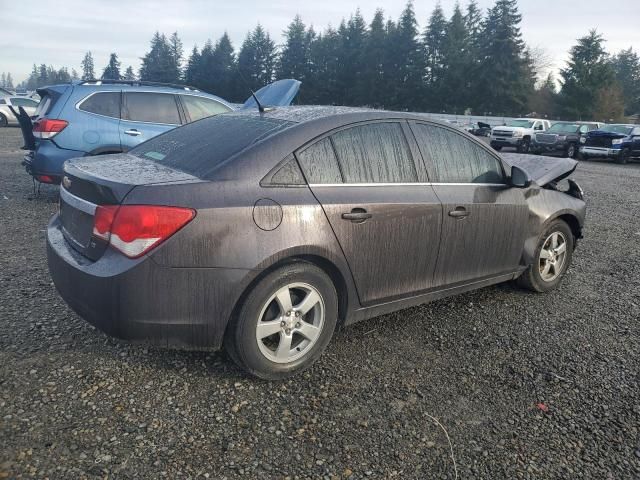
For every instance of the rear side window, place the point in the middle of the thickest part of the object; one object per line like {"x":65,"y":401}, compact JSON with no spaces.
{"x":319,"y":163}
{"x":456,"y":159}
{"x":374,"y":153}
{"x":201,"y":107}
{"x":199,"y":147}
{"x":287,"y":174}
{"x":102,"y":103}
{"x":24,"y":102}
{"x":150,"y":107}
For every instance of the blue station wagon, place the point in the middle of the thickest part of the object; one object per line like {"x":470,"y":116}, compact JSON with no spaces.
{"x":103,"y":117}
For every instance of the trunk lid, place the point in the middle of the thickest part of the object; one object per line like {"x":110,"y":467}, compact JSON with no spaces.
{"x":104,"y":180}
{"x":49,"y":97}
{"x":277,"y":94}
{"x":542,"y":170}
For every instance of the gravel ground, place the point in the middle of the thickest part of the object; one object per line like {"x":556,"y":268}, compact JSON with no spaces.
{"x":526,"y":386}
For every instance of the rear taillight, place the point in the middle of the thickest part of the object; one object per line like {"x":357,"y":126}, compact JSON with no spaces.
{"x":45,"y":179}
{"x":48,"y":128}
{"x":136,"y":229}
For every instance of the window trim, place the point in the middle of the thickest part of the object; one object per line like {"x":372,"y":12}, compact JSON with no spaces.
{"x":429,"y":164}
{"x":84,"y":99}
{"x":421,"y":173}
{"x":178,"y":108}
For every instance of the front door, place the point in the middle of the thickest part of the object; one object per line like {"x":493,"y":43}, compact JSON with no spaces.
{"x":146,"y":115}
{"x":484,"y":220}
{"x":386,"y":221}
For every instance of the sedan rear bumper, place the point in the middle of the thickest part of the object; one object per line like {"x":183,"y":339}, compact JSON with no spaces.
{"x":140,"y":300}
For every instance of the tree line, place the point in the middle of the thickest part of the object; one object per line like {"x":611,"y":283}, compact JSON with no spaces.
{"x":468,"y":62}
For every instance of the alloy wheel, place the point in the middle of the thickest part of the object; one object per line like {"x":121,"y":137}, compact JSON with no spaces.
{"x":290,"y":323}
{"x":571,"y":151}
{"x":552,"y":256}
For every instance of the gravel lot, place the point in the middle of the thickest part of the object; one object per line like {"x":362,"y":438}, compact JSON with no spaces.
{"x":527,"y":386}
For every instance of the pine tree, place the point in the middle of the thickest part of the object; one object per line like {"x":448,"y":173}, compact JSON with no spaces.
{"x":88,"y":72}
{"x":434,"y":40}
{"x":352,"y":38}
{"x":455,"y":89}
{"x":160,"y":63}
{"x":294,"y":58}
{"x":112,"y":70}
{"x":3,"y":80}
{"x":223,"y":69}
{"x":176,"y":54}
{"x":544,"y":99}
{"x":324,"y":51}
{"x":192,"y":70}
{"x":505,"y":76}
{"x":129,"y":74}
{"x":588,"y":71}
{"x":374,"y":76}
{"x":256,"y":62}
{"x":74,"y":75}
{"x":626,"y":66}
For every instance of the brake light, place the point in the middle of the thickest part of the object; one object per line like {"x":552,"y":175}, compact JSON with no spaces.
{"x":48,"y":127}
{"x":136,"y":229}
{"x":45,"y":179}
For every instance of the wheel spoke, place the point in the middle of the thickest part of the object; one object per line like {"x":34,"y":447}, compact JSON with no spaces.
{"x":554,"y":240}
{"x":561,"y":248}
{"x":544,"y":254}
{"x":547,"y":267}
{"x":283,"y":297}
{"x":284,"y":347}
{"x":309,"y":331}
{"x":266,"y":329}
{"x":309,"y":301}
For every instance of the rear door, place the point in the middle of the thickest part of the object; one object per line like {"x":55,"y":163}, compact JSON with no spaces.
{"x":145,"y":115}
{"x":484,"y":220}
{"x":98,"y":125}
{"x":385,"y":217}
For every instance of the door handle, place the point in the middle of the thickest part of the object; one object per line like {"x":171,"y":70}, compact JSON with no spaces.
{"x":459,"y":212}
{"x":133,"y":132}
{"x":357,"y":215}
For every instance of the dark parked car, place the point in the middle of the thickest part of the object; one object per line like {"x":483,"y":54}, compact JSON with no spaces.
{"x":483,"y":130}
{"x":264,"y":231}
{"x":562,"y":138}
{"x":619,"y":142}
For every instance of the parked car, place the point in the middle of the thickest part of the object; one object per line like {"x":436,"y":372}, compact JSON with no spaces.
{"x":483,"y":130}
{"x":619,"y":142}
{"x":103,"y":117}
{"x":517,"y":133}
{"x":4,"y":92}
{"x":7,"y":117}
{"x":264,"y":231}
{"x":562,"y":138}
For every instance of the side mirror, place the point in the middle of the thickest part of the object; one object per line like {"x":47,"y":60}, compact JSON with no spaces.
{"x":519,"y":178}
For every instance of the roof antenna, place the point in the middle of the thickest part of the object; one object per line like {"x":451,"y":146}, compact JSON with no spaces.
{"x":261,"y":109}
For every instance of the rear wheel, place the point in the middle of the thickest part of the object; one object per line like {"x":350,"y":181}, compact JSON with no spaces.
{"x":285,"y":322}
{"x":571,"y":151}
{"x":552,"y":258}
{"x":3,"y":121}
{"x":497,"y":148}
{"x":623,"y":156}
{"x":524,"y":146}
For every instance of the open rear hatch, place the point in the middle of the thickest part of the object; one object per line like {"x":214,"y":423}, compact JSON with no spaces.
{"x":105,"y":180}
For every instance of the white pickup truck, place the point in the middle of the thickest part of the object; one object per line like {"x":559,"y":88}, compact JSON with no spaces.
{"x":517,"y":133}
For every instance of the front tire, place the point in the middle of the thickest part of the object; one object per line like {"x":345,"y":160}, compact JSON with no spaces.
{"x":285,"y":322}
{"x":552,"y":258}
{"x":3,"y":121}
{"x":623,"y":156}
{"x":571,"y":151}
{"x":497,"y":148}
{"x":524,"y":146}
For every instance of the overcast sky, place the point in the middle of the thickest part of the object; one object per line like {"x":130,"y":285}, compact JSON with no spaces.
{"x":58,"y":33}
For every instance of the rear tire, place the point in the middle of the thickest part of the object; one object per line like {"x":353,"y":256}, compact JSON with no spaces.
{"x":497,"y":148}
{"x":623,"y":156}
{"x":525,"y":146}
{"x":571,"y":151}
{"x":285,"y":322}
{"x":3,"y":121}
{"x":550,"y":263}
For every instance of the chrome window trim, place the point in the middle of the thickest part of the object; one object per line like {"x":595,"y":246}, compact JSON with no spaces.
{"x":77,"y":202}
{"x":434,"y":184}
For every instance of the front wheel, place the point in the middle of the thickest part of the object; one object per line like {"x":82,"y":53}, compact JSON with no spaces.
{"x":3,"y":121}
{"x":571,"y":151}
{"x":552,"y":258}
{"x":623,"y":156}
{"x":285,"y":322}
{"x":524,"y":146}
{"x":497,"y":148}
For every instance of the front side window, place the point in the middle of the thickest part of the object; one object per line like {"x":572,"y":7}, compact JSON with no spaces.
{"x":102,"y":103}
{"x":201,"y":107}
{"x":374,"y":153}
{"x":455,"y":158}
{"x":150,"y":107}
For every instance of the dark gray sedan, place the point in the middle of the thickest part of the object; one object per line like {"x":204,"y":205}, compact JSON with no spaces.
{"x":262,"y":232}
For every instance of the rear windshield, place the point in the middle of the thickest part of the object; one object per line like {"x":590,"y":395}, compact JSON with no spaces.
{"x":199,"y":147}
{"x":564,"y":128}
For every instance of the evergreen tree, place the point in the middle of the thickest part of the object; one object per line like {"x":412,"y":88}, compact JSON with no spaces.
{"x":434,"y":41}
{"x":112,"y":70}
{"x":406,"y":65}
{"x":88,"y":72}
{"x":222,"y":69}
{"x":256,"y":62}
{"x":129,"y":74}
{"x":9,"y":81}
{"x":455,"y":89}
{"x":505,"y":74}
{"x":294,"y":58}
{"x":588,"y":71}
{"x":176,"y":54}
{"x":544,"y":99}
{"x":609,"y":104}
{"x":160,"y":63}
{"x":3,"y":80}
{"x":352,"y":37}
{"x":74,"y":75}
{"x":373,"y":84}
{"x":192,"y":70}
{"x":321,"y":86}
{"x":626,"y":66}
